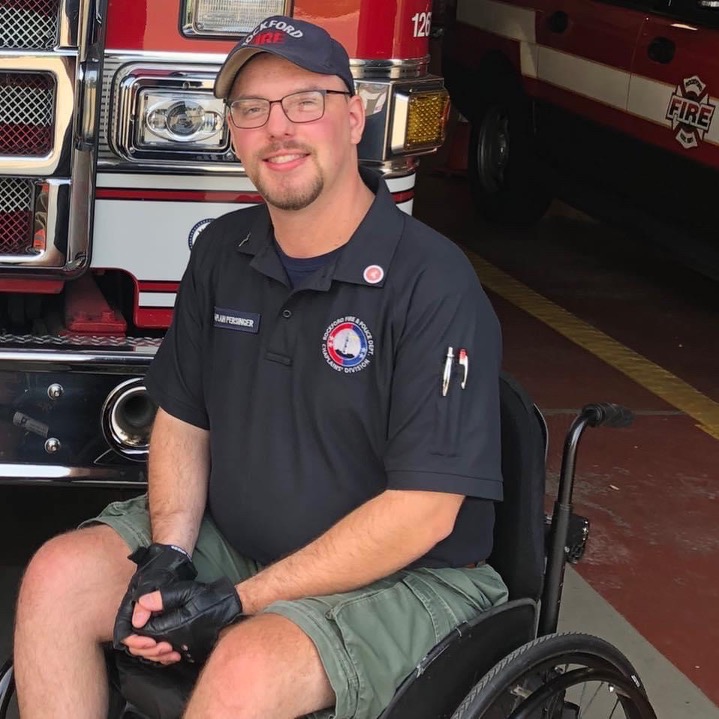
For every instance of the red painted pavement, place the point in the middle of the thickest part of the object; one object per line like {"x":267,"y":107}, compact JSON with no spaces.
{"x":651,"y":491}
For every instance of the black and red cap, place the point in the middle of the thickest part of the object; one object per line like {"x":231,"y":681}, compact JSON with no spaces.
{"x":302,"y":43}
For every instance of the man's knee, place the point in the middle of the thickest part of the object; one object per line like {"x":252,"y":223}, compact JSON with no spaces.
{"x":75,"y":567}
{"x":246,"y":650}
{"x":262,"y":658}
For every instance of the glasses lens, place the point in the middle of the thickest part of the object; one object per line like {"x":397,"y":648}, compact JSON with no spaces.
{"x":251,"y":112}
{"x":304,"y":106}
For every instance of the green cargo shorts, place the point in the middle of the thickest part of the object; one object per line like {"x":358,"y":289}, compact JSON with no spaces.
{"x":368,"y":640}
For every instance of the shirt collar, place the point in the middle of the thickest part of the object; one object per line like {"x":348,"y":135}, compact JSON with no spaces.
{"x":364,"y":260}
{"x":258,"y":243}
{"x":374,"y":242}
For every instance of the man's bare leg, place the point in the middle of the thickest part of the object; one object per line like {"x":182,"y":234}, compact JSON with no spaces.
{"x":67,"y":605}
{"x":263,"y":668}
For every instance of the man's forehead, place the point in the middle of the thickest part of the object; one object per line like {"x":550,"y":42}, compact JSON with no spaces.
{"x":255,"y":76}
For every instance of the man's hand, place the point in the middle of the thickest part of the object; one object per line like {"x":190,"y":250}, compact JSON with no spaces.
{"x":192,"y":616}
{"x":158,"y":566}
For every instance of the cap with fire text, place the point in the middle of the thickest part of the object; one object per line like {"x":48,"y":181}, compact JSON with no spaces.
{"x":302,"y":43}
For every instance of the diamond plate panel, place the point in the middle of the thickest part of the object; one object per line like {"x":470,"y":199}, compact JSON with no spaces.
{"x":94,"y":341}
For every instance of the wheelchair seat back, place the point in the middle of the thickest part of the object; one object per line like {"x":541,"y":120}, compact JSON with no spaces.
{"x":518,"y":551}
{"x":450,"y":670}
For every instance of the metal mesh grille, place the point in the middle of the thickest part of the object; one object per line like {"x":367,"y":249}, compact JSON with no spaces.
{"x":28,"y":24}
{"x":26,"y":113}
{"x":16,"y":210}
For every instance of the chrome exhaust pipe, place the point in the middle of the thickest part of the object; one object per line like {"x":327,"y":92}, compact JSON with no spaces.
{"x":127,"y":417}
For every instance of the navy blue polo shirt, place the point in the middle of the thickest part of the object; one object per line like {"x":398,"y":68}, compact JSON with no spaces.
{"x":319,"y":398}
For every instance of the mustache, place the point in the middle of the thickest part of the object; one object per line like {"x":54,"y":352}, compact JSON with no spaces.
{"x":284,"y":147}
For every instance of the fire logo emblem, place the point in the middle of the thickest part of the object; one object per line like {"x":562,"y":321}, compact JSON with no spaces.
{"x":690,"y":112}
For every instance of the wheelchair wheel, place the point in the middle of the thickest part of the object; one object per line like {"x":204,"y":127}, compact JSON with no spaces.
{"x":560,"y":676}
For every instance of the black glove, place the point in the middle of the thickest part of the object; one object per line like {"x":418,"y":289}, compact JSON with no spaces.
{"x":158,"y":566}
{"x":193,"y":615}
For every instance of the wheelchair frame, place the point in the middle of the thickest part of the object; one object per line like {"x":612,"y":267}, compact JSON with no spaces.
{"x":455,"y":677}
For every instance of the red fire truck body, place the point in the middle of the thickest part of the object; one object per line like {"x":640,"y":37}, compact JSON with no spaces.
{"x":610,"y":104}
{"x":114,"y":156}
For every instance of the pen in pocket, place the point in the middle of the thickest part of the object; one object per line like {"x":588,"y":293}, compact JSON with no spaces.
{"x":447,"y":374}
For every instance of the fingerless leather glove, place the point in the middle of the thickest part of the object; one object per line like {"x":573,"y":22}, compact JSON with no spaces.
{"x":158,"y":566}
{"x":193,"y":615}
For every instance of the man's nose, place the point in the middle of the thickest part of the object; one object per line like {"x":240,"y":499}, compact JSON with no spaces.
{"x":277,"y":122}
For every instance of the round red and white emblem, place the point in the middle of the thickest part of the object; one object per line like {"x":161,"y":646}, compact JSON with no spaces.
{"x":373,"y":274}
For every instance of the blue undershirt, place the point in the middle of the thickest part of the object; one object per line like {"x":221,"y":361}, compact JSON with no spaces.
{"x":298,"y":269}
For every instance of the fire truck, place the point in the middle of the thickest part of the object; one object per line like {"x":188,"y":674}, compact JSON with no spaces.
{"x":114,"y":156}
{"x":610,"y":105}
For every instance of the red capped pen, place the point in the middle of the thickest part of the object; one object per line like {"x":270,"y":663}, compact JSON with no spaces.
{"x":463,"y":360}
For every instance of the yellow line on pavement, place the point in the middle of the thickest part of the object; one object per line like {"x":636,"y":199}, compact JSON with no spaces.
{"x":651,"y":376}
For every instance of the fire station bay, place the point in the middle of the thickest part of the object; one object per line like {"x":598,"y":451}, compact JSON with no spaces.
{"x":569,"y":149}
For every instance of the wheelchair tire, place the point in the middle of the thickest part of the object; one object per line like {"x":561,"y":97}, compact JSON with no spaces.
{"x":542,"y":680}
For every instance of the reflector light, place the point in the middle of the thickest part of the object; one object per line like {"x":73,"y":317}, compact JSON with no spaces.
{"x":229,"y":17}
{"x":426,"y":119}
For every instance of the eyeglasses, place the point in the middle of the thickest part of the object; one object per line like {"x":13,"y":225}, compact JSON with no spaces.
{"x":304,"y":106}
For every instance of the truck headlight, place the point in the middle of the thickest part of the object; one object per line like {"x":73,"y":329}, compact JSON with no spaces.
{"x":164,"y":113}
{"x":184,"y":118}
{"x":220,"y":17}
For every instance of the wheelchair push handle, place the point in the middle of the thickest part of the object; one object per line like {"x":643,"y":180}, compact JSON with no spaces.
{"x":597,"y":414}
{"x":607,"y":414}
{"x":592,"y":415}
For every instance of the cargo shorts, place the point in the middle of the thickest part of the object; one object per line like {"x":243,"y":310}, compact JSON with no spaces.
{"x":369,"y":639}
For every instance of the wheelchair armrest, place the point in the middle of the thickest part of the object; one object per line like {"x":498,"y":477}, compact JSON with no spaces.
{"x":449,"y":670}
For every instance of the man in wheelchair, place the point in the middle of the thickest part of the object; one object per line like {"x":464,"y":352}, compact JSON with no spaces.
{"x":326,"y":452}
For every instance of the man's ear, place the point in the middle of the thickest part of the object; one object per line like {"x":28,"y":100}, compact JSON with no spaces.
{"x":357,"y":118}
{"x":232,"y":147}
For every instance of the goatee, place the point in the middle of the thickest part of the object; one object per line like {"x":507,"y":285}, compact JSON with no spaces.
{"x":291,"y":198}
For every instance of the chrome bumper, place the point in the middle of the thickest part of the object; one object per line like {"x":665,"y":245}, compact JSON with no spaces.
{"x":52,"y":394}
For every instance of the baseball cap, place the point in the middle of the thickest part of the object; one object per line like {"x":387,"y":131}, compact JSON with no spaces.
{"x":302,"y":43}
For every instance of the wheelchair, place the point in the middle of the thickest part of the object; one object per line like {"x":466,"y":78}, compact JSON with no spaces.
{"x":508,"y":662}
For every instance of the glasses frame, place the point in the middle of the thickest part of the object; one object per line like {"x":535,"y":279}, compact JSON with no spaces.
{"x":280,"y":102}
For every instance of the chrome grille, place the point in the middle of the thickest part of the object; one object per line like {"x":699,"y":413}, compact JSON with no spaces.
{"x":26,"y":113}
{"x":28,"y":24}
{"x":16,"y":210}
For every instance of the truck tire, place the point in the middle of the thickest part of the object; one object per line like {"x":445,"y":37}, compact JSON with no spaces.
{"x":504,"y":175}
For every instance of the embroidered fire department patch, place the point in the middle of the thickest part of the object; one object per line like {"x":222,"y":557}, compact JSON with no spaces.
{"x":690,"y":112}
{"x":347,"y":345}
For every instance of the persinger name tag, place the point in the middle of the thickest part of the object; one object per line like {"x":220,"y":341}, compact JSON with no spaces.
{"x":236,"y":320}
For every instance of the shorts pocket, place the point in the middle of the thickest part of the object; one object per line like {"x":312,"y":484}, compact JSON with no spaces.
{"x":477,"y":589}
{"x":385,"y":632}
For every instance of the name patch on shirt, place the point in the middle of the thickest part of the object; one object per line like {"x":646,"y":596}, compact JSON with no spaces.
{"x":236,"y":320}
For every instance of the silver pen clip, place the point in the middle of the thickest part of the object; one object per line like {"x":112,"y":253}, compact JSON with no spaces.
{"x":447,"y":374}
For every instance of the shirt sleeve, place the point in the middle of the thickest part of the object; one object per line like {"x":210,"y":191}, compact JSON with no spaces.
{"x":175,"y":377}
{"x":447,"y":443}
